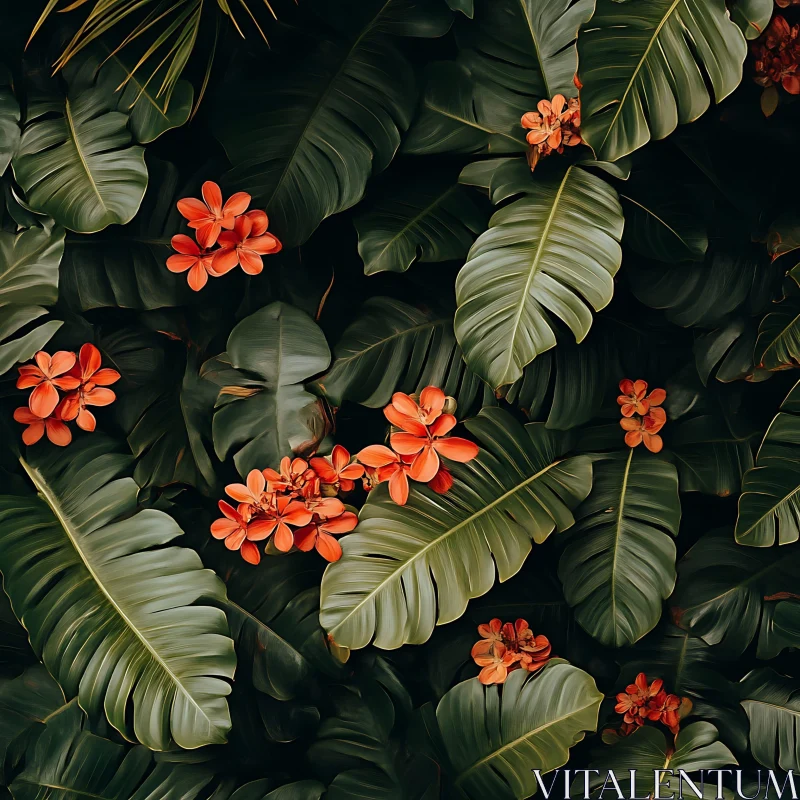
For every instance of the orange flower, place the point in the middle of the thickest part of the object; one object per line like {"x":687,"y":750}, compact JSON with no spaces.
{"x":633,"y":701}
{"x":239,"y":530}
{"x":280,"y":516}
{"x":442,"y":481}
{"x":632,"y":397}
{"x":390,"y":467}
{"x":245,"y":245}
{"x":555,"y":126}
{"x":338,"y":471}
{"x":535,"y":654}
{"x":664,"y":708}
{"x":47,"y":375}
{"x":210,"y":217}
{"x":253,"y":493}
{"x":429,"y":444}
{"x":191,"y":257}
{"x":91,"y":391}
{"x":777,"y":56}
{"x":57,"y":432}
{"x":293,"y":476}
{"x":496,"y":663}
{"x":404,"y":408}
{"x":645,"y":429}
{"x":319,"y":535}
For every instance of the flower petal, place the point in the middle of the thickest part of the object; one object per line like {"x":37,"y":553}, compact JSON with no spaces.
{"x":344,"y":523}
{"x":283,"y":537}
{"x":213,"y":196}
{"x":105,"y":377}
{"x":443,"y":425}
{"x":250,"y":553}
{"x":250,"y":261}
{"x":222,"y":528}
{"x":398,"y":487}
{"x":180,"y":263}
{"x":377,"y":455}
{"x":193,"y":209}
{"x":235,"y":540}
{"x":57,"y":432}
{"x":62,"y":361}
{"x":328,"y":547}
{"x":86,"y":420}
{"x":403,"y":421}
{"x":425,"y":465}
{"x":33,"y":432}
{"x":43,"y":400}
{"x":456,"y":449}
{"x":236,"y":204}
{"x":305,"y":538}
{"x":185,"y":244}
{"x":90,"y":359}
{"x":198,"y":277}
{"x":99,"y":397}
{"x":633,"y":438}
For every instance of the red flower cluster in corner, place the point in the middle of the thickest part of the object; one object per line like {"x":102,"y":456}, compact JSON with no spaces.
{"x":554,"y":127}
{"x":642,"y":417}
{"x":300,"y":496}
{"x":777,"y":56}
{"x":642,"y":701}
{"x":80,"y":377}
{"x":416,"y":448}
{"x":506,"y":647}
{"x":240,"y":237}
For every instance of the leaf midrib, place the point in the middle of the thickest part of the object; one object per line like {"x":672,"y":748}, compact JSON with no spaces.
{"x":74,"y":136}
{"x":52,"y":501}
{"x":617,"y":535}
{"x":442,"y":537}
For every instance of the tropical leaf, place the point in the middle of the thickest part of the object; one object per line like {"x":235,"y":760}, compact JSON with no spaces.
{"x":553,"y":250}
{"x":778,"y":343}
{"x":392,"y":346}
{"x":513,"y":54}
{"x":9,"y":120}
{"x":28,"y":280}
{"x":642,"y":77}
{"x":752,"y":16}
{"x":770,"y":499}
{"x":648,"y":750}
{"x":92,"y":625}
{"x":723,"y":592}
{"x":299,"y":790}
{"x":126,"y":267}
{"x":408,"y":568}
{"x":69,"y":761}
{"x":496,"y":738}
{"x":25,"y":704}
{"x":772,"y":705}
{"x":420,"y":220}
{"x":321,"y":131}
{"x":619,"y":564}
{"x":263,"y":411}
{"x":466,"y":7}
{"x":74,"y":161}
{"x":784,"y":234}
{"x":728,"y":349}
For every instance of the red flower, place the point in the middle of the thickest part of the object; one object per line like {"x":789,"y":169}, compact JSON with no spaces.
{"x":47,"y":375}
{"x":239,"y":530}
{"x":404,"y":408}
{"x":777,"y":56}
{"x":427,"y":444}
{"x":535,"y":653}
{"x":496,"y":663}
{"x":491,"y":634}
{"x":338,"y":471}
{"x":211,"y":216}
{"x":253,"y":493}
{"x":319,"y":535}
{"x":664,"y":708}
{"x":191,"y":257}
{"x":442,"y":481}
{"x":390,"y":467}
{"x":645,"y":429}
{"x":245,"y":245}
{"x":90,"y":391}
{"x":635,"y":400}
{"x":280,"y":516}
{"x":555,"y":126}
{"x":505,"y":648}
{"x":293,"y":476}
{"x":57,"y":432}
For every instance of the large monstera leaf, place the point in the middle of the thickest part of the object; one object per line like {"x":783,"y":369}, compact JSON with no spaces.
{"x":644,"y":66}
{"x":513,"y":54}
{"x":69,"y":761}
{"x":157,"y":668}
{"x":620,"y":563}
{"x":75,"y":161}
{"x":726,"y":593}
{"x":554,"y":251}
{"x":770,"y":501}
{"x":316,"y":134}
{"x":408,"y":568}
{"x":263,"y":410}
{"x":495,"y":737}
{"x":778,"y":343}
{"x":392,"y":346}
{"x":28,"y":281}
{"x":772,"y":704}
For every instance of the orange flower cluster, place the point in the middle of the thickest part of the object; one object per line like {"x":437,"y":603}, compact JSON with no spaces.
{"x":554,"y":127}
{"x":240,"y":237}
{"x":642,"y":701}
{"x":301,"y":495}
{"x":416,"y":448}
{"x":506,"y":647}
{"x":82,"y":379}
{"x":777,"y":56}
{"x":642,"y":417}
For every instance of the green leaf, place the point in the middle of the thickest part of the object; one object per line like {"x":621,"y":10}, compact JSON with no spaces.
{"x":28,"y":280}
{"x":126,"y":267}
{"x":9,"y":121}
{"x":723,"y":591}
{"x":778,"y":343}
{"x":25,"y":704}
{"x":408,"y":568}
{"x":513,"y":54}
{"x":770,"y":497}
{"x":428,"y":220}
{"x":729,"y":350}
{"x":644,"y":66}
{"x":92,"y":627}
{"x":619,"y":564}
{"x":649,"y":749}
{"x":299,"y":790}
{"x":75,"y":162}
{"x":466,"y":7}
{"x":496,"y":736}
{"x":263,"y":411}
{"x":316,"y":133}
{"x":772,"y":704}
{"x":784,"y":233}
{"x":554,"y":249}
{"x":392,"y":346}
{"x":752,"y":16}
{"x":69,"y":761}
